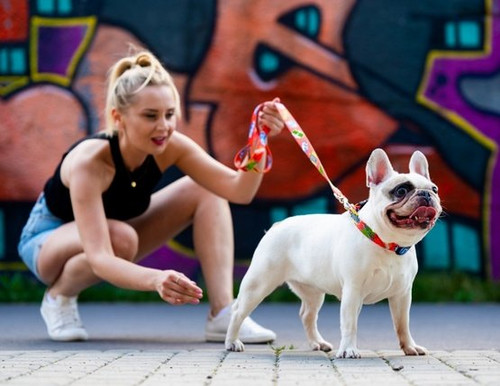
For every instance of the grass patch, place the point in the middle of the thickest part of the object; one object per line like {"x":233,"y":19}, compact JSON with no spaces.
{"x":428,"y":287}
{"x":454,"y":287}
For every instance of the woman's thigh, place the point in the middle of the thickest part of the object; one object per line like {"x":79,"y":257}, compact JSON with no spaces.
{"x":171,"y":211}
{"x":62,"y":244}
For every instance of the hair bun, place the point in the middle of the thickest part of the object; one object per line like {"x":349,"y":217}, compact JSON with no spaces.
{"x":144,"y":60}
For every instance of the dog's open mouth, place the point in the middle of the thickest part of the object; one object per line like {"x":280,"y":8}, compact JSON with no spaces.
{"x":423,"y":217}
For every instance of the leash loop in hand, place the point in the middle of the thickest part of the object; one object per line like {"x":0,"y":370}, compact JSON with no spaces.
{"x":249,"y":157}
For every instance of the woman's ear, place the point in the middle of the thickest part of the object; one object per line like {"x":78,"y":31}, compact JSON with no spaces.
{"x":117,"y":118}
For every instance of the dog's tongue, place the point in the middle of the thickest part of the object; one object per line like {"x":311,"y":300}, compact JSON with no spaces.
{"x":424,"y":214}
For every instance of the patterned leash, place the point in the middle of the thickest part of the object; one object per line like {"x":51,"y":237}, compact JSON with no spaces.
{"x":250,"y":155}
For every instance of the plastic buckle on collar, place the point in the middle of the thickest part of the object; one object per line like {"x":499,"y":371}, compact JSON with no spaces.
{"x":401,"y":250}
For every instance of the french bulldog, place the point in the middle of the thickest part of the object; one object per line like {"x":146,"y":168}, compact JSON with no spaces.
{"x":327,"y":253}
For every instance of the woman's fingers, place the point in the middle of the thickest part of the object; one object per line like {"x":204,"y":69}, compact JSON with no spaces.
{"x":270,"y":117}
{"x":178,"y":289}
{"x":184,"y":286}
{"x":273,"y":121}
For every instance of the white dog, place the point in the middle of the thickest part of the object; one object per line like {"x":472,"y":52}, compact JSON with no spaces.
{"x":325,"y":253}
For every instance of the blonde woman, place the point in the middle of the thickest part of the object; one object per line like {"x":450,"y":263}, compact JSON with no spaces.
{"x":98,"y":214}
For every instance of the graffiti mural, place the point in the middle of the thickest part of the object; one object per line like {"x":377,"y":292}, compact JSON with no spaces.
{"x":357,"y":74}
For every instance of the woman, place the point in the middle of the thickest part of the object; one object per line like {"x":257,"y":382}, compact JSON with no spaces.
{"x":98,"y":215}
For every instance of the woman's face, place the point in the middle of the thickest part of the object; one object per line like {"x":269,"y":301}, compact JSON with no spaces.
{"x":150,"y":119}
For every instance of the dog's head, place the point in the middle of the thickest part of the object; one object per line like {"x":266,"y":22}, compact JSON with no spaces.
{"x":405,"y":206}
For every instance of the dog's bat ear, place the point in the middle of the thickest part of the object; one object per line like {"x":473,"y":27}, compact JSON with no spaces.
{"x":419,"y":164}
{"x":378,"y":168}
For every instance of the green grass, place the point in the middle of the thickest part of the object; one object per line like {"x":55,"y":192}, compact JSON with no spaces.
{"x":428,"y":287}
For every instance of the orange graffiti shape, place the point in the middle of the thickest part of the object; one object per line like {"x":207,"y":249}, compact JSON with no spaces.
{"x":37,"y":126}
{"x":318,"y":89}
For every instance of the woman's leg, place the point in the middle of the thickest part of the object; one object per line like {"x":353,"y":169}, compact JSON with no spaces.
{"x":63,"y":265}
{"x":174,"y":208}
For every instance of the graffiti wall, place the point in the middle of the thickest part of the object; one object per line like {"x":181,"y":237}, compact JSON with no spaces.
{"x":357,"y":74}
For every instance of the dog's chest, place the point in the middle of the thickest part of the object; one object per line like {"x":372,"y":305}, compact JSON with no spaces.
{"x":386,"y":280}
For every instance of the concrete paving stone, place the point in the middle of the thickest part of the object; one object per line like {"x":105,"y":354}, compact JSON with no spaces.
{"x":305,"y":372}
{"x":384,"y":382}
{"x":317,"y":378}
{"x":242,"y":379}
{"x":493,"y":380}
{"x":31,"y":381}
{"x":241,"y":382}
{"x":438,"y":378}
{"x":442,"y":382}
{"x":170,"y":382}
{"x":184,"y":369}
{"x":108,"y":382}
{"x":375,"y":382}
{"x":222,"y":371}
{"x":495,"y":355}
{"x":327,"y":381}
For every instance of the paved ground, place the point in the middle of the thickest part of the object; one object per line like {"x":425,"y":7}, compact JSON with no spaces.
{"x":157,"y":344}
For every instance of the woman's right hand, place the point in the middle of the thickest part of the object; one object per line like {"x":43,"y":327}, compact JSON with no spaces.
{"x":176,"y":288}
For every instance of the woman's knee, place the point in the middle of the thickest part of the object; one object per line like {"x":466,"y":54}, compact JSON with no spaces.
{"x":206,"y":197}
{"x":124,"y":240}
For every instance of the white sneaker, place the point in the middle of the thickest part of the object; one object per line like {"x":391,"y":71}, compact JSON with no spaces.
{"x":62,"y":318}
{"x":250,"y":331}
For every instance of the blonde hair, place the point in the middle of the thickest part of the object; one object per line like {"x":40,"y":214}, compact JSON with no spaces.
{"x":130,"y":75}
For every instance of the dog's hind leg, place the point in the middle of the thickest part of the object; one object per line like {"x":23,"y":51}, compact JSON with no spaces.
{"x":312,"y":300}
{"x":256,"y":285}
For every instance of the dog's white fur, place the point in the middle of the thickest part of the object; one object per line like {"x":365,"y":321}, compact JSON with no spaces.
{"x":325,"y":253}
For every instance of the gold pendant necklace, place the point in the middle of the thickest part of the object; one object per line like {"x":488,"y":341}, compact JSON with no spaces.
{"x":140,"y":173}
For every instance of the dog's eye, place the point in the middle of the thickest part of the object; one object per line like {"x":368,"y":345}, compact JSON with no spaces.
{"x":435,"y":189}
{"x":402,"y":190}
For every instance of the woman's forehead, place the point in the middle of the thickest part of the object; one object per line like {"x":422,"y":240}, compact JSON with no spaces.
{"x":158,"y":96}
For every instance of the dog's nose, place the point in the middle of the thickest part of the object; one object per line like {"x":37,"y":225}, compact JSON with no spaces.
{"x":425,"y":195}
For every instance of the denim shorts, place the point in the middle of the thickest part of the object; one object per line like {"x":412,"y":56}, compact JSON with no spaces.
{"x":41,"y":223}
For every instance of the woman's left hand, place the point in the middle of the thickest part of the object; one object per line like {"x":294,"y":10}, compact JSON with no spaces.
{"x":270,"y":117}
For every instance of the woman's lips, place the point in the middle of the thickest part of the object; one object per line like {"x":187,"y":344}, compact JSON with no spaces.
{"x":159,"y":141}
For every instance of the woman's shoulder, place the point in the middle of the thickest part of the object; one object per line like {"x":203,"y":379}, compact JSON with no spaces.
{"x":92,"y":147}
{"x":182,"y":141}
{"x":93,"y":152}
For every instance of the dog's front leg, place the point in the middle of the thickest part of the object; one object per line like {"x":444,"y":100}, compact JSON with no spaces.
{"x":350,"y":307}
{"x":400,"y":311}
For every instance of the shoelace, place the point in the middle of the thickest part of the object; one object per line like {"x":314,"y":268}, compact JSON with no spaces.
{"x":68,"y":315}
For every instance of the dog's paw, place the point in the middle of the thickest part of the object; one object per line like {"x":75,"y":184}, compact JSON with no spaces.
{"x":414,"y":350}
{"x":350,"y":352}
{"x":321,"y":346}
{"x":236,"y":345}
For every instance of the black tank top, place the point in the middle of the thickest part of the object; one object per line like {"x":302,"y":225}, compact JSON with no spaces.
{"x":122,"y":201}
